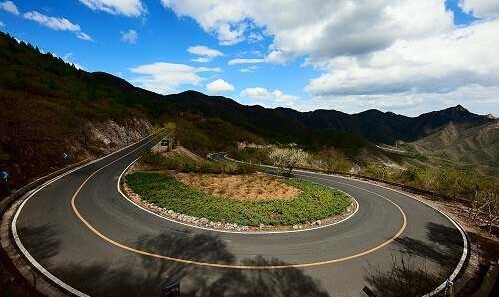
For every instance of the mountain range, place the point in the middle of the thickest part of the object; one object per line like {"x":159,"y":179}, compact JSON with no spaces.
{"x":48,"y":105}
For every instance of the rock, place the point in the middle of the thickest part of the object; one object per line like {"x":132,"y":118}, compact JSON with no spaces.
{"x":262,"y":226}
{"x":319,"y":222}
{"x":295,"y":227}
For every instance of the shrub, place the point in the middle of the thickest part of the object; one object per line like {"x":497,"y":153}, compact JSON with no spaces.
{"x":159,"y":162}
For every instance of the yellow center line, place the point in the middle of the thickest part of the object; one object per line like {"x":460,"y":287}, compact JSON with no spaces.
{"x":218,"y":265}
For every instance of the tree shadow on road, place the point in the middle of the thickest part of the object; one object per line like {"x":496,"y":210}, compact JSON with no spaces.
{"x":136,"y":275}
{"x":422,"y":265}
{"x":444,"y":246}
{"x":40,"y":240}
{"x":407,"y":277}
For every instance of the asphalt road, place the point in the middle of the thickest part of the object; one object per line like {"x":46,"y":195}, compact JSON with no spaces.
{"x":88,"y":236}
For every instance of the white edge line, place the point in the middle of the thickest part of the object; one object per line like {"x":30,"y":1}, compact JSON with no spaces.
{"x":234,"y":232}
{"x":464,"y":255}
{"x":18,"y":240}
{"x":80,"y":294}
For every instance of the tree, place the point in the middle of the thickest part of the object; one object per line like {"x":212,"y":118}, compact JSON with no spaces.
{"x":285,"y":159}
{"x":334,"y":161}
{"x":485,"y":205}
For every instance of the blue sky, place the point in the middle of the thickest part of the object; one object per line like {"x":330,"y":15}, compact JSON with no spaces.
{"x":397,"y":55}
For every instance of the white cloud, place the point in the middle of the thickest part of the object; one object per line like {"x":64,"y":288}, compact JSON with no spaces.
{"x":219,"y":85}
{"x":481,"y":8}
{"x":206,"y":54}
{"x":129,"y":36}
{"x":386,"y":53}
{"x":164,"y":78}
{"x":84,"y":36}
{"x":2,"y":24}
{"x":278,"y":57}
{"x":269,"y":98}
{"x":321,"y":28}
{"x":209,"y":69}
{"x":255,"y":37}
{"x":131,"y":8}
{"x":436,"y":64}
{"x":245,"y":61}
{"x":249,"y":69}
{"x":9,"y":6}
{"x":56,"y":23}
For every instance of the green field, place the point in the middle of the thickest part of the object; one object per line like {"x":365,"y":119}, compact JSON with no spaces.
{"x":316,"y":202}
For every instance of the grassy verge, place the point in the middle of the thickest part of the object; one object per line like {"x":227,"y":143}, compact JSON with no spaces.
{"x":316,"y":202}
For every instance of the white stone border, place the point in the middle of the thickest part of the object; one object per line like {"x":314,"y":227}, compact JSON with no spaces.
{"x":231,"y":231}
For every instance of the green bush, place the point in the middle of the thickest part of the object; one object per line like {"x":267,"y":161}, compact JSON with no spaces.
{"x":316,"y":202}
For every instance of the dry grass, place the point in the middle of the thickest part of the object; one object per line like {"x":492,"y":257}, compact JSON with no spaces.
{"x":242,"y":187}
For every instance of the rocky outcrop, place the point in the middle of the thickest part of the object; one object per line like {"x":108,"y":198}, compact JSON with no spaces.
{"x":110,"y":135}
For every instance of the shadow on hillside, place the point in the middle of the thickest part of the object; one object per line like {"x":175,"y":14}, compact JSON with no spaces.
{"x":135,"y":275}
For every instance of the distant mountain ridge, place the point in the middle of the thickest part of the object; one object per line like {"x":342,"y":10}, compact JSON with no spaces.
{"x":373,"y":125}
{"x":467,"y":146}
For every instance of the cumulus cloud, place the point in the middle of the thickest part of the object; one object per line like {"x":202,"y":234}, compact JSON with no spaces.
{"x":268,"y":98}
{"x":205,"y":53}
{"x":10,"y":7}
{"x":219,"y":85}
{"x":131,"y":8}
{"x":129,"y":36}
{"x":371,"y":51}
{"x":436,"y":64}
{"x":56,"y":23}
{"x":322,"y":28}
{"x":165,"y":78}
{"x":481,"y":8}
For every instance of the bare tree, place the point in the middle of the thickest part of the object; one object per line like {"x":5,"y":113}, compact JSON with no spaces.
{"x":485,"y":206}
{"x":285,"y":159}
